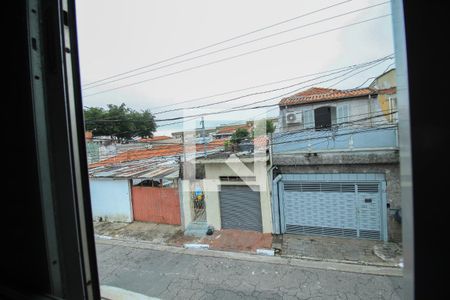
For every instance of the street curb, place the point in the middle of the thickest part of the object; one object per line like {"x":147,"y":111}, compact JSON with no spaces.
{"x":196,"y":246}
{"x":267,"y":252}
{"x":314,"y":264}
{"x":352,"y":262}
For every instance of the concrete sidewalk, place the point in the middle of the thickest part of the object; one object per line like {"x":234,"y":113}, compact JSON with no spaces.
{"x":162,"y":234}
{"x":142,"y":231}
{"x":367,"y":252}
{"x":322,"y":265}
{"x":312,"y":248}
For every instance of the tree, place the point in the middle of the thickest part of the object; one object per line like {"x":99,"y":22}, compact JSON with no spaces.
{"x":239,"y":135}
{"x":120,"y":122}
{"x":270,"y":127}
{"x":227,"y":145}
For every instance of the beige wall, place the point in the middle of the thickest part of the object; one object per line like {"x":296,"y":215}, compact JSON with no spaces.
{"x":385,"y":81}
{"x":212,"y":183}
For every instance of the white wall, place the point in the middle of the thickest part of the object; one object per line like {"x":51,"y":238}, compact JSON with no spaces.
{"x":111,"y":199}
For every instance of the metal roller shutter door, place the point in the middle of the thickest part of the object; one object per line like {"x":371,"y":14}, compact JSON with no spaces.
{"x":348,"y":209}
{"x":240,"y":208}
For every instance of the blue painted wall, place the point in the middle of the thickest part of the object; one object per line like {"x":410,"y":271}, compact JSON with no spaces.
{"x":342,"y":139}
{"x":111,"y":199}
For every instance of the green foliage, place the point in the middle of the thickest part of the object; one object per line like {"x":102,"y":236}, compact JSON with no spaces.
{"x":120,"y":122}
{"x":239,"y":135}
{"x":270,"y":127}
{"x":227,"y":145}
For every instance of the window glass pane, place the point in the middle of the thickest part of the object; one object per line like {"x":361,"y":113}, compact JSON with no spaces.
{"x":266,"y":150}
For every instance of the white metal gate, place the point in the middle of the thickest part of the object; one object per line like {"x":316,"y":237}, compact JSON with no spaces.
{"x":333,"y":208}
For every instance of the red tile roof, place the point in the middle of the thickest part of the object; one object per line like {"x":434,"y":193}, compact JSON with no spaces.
{"x":317,"y":94}
{"x":155,"y":138}
{"x":156,"y":151}
{"x":232,"y":129}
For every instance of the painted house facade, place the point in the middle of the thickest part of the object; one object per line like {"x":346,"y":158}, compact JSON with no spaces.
{"x":228,"y":190}
{"x":336,"y":163}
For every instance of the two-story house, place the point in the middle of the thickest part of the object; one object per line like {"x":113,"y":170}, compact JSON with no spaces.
{"x":336,"y":163}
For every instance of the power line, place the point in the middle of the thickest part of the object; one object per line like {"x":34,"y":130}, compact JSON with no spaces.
{"x":298,"y":89}
{"x":244,"y":107}
{"x":253,"y":87}
{"x":283,"y":134}
{"x":325,"y":137}
{"x":219,"y":43}
{"x":336,"y":125}
{"x":375,"y":76}
{"x":311,"y":129}
{"x":238,"y":55}
{"x":342,"y":80}
{"x":236,"y":45}
{"x":266,"y":91}
{"x":189,"y":118}
{"x":194,"y":117}
{"x":353,"y":68}
{"x":335,"y":135}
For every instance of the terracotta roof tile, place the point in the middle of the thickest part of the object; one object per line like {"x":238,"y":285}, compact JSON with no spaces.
{"x":317,"y":94}
{"x":156,"y":151}
{"x":232,"y":129}
{"x":155,"y":138}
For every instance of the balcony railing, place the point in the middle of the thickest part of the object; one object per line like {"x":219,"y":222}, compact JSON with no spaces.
{"x":346,"y":139}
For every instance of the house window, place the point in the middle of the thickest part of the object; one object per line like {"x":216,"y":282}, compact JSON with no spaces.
{"x":308,"y":118}
{"x":343,"y":114}
{"x":324,"y":117}
{"x":392,"y":109}
{"x":237,"y":178}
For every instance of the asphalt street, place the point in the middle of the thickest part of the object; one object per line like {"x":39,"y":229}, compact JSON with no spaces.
{"x":177,"y":275}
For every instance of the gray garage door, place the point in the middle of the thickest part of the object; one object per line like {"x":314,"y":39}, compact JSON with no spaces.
{"x":351,"y":209}
{"x":240,"y":208}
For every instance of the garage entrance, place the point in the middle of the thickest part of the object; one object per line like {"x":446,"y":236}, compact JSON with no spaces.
{"x":345,"y":205}
{"x":240,"y":208}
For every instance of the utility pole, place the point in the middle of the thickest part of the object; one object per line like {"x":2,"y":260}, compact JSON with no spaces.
{"x":203,"y":135}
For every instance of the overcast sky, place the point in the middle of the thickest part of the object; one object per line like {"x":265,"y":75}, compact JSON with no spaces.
{"x":118,"y":36}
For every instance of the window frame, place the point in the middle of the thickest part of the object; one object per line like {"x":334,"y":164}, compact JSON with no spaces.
{"x":68,"y":176}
